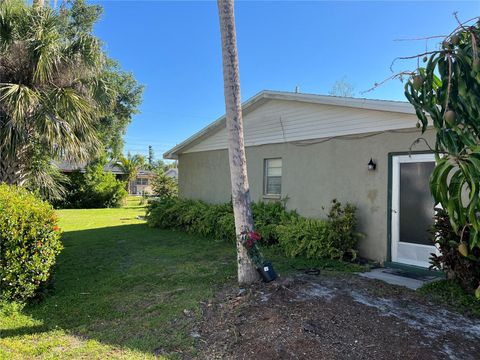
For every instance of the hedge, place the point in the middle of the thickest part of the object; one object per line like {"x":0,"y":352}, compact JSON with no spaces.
{"x":333,"y":237}
{"x":29,"y":243}
{"x":215,"y":220}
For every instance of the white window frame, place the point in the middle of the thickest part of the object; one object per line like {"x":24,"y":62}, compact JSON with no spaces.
{"x":265,"y":177}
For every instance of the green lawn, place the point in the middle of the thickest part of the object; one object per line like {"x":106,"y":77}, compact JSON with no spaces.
{"x":122,"y":288}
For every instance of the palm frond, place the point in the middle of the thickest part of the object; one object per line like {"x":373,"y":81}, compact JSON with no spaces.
{"x":11,"y":14}
{"x":17,"y":100}
{"x":68,"y":121}
{"x":45,"y":44}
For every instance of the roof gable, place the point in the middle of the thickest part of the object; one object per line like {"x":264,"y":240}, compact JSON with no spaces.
{"x":276,"y":117}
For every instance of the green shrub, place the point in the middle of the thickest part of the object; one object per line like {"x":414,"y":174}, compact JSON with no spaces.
{"x":343,"y":224}
{"x":268,"y":216}
{"x":95,"y":188}
{"x":334,"y":238}
{"x":161,"y":213}
{"x":29,"y":243}
{"x":307,"y":237}
{"x":215,"y":220}
{"x":164,"y":186}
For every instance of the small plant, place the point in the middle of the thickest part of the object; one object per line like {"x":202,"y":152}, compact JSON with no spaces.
{"x":343,"y":222}
{"x":29,"y":243}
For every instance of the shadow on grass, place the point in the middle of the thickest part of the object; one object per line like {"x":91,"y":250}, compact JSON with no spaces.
{"x":130,"y":286}
{"x":140,"y":288}
{"x":24,"y":330}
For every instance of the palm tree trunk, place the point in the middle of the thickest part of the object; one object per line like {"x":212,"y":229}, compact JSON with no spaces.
{"x":12,"y":171}
{"x":236,"y":148}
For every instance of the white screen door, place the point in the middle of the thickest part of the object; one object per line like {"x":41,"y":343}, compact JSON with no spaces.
{"x":412,"y":209}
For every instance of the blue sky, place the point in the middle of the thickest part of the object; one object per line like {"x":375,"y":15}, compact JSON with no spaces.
{"x":173,"y":48}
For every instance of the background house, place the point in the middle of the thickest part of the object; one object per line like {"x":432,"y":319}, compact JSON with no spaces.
{"x":142,"y":184}
{"x":311,"y":149}
{"x":173,"y":173}
{"x":139,"y":186}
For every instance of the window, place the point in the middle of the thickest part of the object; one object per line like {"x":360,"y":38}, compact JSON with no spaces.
{"x":272,"y":177}
{"x":141,"y":181}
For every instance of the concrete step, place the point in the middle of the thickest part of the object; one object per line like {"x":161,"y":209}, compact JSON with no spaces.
{"x":398,"y":277}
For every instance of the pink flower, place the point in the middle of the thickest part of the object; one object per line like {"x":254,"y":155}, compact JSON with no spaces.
{"x":254,"y":236}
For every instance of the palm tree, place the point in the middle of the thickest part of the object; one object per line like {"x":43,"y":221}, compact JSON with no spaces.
{"x":51,"y":91}
{"x":236,"y":149}
{"x":130,"y":166}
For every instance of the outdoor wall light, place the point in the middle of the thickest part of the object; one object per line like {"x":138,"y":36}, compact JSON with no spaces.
{"x":371,"y":165}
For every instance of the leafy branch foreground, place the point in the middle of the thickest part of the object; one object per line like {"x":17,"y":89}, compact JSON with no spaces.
{"x":445,"y":93}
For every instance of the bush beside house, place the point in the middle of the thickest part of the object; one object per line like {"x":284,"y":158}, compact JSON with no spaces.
{"x":29,"y":243}
{"x":334,"y":237}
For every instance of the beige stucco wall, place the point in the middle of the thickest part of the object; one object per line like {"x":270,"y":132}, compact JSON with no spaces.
{"x":312,"y":176}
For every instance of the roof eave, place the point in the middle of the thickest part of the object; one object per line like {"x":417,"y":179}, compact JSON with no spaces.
{"x":172,"y":154}
{"x":367,"y":104}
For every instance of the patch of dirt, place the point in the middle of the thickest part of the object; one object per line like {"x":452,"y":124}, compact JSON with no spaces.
{"x":325,"y":317}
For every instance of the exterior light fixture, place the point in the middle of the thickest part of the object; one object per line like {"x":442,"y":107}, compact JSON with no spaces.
{"x":371,"y":165}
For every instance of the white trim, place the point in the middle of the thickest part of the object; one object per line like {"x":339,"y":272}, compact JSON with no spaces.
{"x":395,"y":218}
{"x":263,"y":96}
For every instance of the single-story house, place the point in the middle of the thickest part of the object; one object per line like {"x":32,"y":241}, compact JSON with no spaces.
{"x":310,"y":149}
{"x":173,"y":173}
{"x":138,"y":186}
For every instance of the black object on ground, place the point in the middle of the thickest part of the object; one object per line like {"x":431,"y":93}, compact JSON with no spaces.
{"x":267,"y":272}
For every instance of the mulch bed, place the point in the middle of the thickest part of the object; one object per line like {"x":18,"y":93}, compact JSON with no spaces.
{"x":332,"y":317}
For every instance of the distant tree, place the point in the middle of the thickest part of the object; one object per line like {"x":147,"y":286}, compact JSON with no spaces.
{"x":115,"y":119}
{"x":151,"y":157}
{"x":130,"y":166}
{"x":242,"y":207}
{"x":342,"y":88}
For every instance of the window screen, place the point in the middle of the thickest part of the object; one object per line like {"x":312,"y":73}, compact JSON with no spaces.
{"x":273,"y":177}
